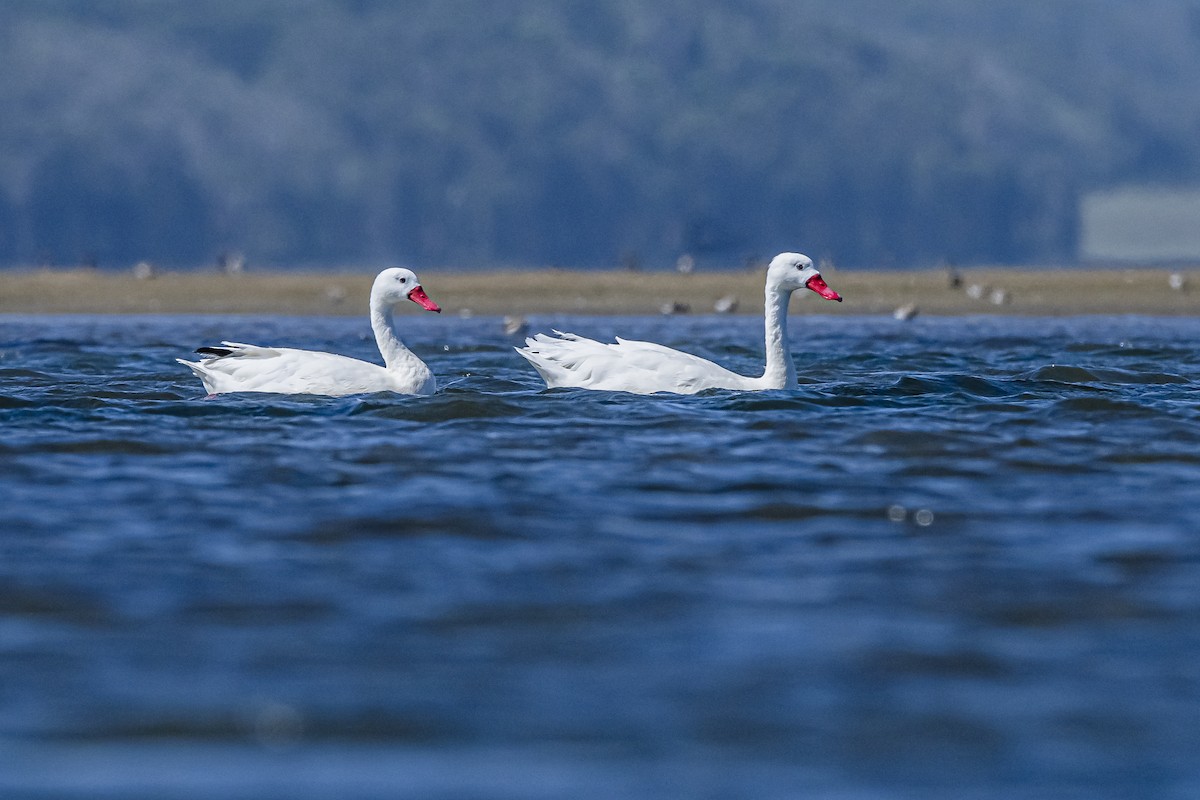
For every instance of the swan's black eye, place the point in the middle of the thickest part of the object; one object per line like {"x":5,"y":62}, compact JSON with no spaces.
{"x":404,"y":280}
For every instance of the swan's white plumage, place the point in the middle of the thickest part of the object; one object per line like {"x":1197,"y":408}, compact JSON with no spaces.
{"x":570,"y":361}
{"x":626,"y":366}
{"x":238,"y":367}
{"x":284,"y":370}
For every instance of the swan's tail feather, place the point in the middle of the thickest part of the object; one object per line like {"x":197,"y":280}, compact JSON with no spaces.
{"x":193,"y":366}
{"x":201,"y":372}
{"x":544,"y":353}
{"x":544,"y":368}
{"x":558,"y":338}
{"x":564,"y":359}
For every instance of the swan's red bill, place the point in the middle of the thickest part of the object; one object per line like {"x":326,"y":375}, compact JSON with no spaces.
{"x":418,"y":296}
{"x":818,"y":285}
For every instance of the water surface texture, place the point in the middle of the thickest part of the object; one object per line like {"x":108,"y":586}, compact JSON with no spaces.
{"x":960,"y":559}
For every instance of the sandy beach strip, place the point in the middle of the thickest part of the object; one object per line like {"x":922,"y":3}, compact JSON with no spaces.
{"x":1026,"y":291}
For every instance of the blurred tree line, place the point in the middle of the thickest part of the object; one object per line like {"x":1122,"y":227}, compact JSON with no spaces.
{"x":580,"y":133}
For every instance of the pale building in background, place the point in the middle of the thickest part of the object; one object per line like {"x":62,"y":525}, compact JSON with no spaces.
{"x":1144,"y":225}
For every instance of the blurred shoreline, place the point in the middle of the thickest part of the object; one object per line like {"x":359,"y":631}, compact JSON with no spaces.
{"x":1019,"y":291}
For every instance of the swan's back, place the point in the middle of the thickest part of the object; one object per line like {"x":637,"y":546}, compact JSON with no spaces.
{"x":571,"y":361}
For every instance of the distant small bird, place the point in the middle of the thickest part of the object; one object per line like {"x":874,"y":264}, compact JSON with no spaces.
{"x":906,"y":311}
{"x":515,"y":325}
{"x":1177,"y":282}
{"x":726,"y":305}
{"x":144,"y":270}
{"x":231,"y":263}
{"x":998,"y":297}
{"x":675,"y":307}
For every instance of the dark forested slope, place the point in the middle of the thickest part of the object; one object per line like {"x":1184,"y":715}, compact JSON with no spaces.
{"x":528,"y":132}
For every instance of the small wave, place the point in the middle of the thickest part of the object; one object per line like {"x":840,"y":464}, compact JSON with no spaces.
{"x":136,"y":394}
{"x":1005,"y":408}
{"x":19,"y":373}
{"x":1126,"y":351}
{"x":58,"y":605}
{"x":454,"y":525}
{"x":914,"y":442}
{"x":13,"y":401}
{"x":766,"y":401}
{"x":1081,"y":607}
{"x":1050,"y":466}
{"x":1061,"y":374}
{"x":1126,"y":376}
{"x":953,"y":384}
{"x":1141,"y":561}
{"x":489,"y":384}
{"x":1105,"y":404}
{"x":258,"y":407}
{"x":133,"y":447}
{"x":181,"y":406}
{"x":1133,"y":457}
{"x":447,"y":407}
{"x":940,"y":664}
{"x":1070,"y":374}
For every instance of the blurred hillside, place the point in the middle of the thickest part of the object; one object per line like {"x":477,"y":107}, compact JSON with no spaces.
{"x":575,"y":132}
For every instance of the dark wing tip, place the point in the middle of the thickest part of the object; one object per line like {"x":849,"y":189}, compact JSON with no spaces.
{"x":214,"y":351}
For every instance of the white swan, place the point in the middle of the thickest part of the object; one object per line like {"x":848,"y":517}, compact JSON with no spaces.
{"x":645,"y":368}
{"x":234,"y":367}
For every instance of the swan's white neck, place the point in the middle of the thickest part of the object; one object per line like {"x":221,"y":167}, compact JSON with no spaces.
{"x":780,"y":372}
{"x":394,"y":353}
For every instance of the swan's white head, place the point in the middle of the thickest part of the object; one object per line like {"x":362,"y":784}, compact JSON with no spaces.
{"x":396,"y":284}
{"x":792,"y":271}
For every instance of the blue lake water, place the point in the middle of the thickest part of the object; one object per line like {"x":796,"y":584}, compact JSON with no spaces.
{"x":960,"y":559}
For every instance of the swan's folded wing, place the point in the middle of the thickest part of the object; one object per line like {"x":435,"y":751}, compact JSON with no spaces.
{"x":240,"y":350}
{"x":237,"y":367}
